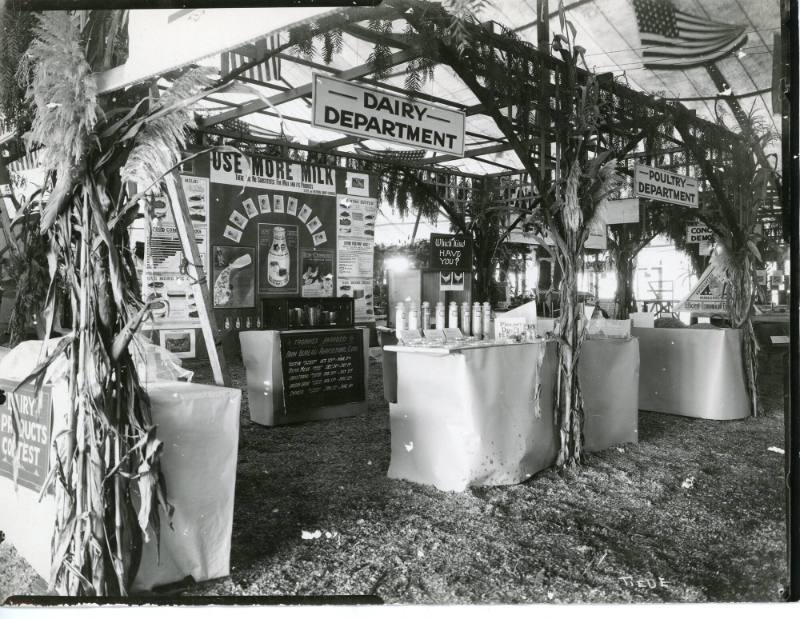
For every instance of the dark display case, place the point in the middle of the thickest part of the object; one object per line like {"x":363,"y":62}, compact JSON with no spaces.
{"x":287,"y":313}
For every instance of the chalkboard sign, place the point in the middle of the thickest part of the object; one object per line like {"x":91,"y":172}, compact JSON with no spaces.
{"x":450,"y":253}
{"x":323,"y":368}
{"x":33,"y":438}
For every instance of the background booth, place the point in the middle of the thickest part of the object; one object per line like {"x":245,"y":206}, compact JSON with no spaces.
{"x":692,"y":372}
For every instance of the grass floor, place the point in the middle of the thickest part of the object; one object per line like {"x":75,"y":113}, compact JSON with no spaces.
{"x":621,"y":529}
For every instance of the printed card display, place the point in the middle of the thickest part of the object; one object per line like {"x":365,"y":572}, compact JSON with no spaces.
{"x":291,"y":206}
{"x":233,"y":234}
{"x":263,"y":203}
{"x":320,"y":238}
{"x":305,"y":212}
{"x":250,"y":208}
{"x":314,"y":225}
{"x":277,"y":204}
{"x":237,"y":218}
{"x":317,"y":273}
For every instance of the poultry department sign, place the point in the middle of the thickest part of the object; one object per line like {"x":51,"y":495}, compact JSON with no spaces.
{"x":370,"y":113}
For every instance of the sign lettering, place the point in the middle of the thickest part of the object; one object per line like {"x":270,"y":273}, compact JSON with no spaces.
{"x":665,"y":186}
{"x":357,"y":110}
{"x":32,"y":442}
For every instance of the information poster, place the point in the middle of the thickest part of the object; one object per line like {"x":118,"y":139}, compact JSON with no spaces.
{"x":278,"y":259}
{"x":33,"y":444}
{"x":317,"y":268}
{"x":322,"y":369}
{"x":312,"y":228}
{"x":233,"y":276}
{"x":356,"y":243}
{"x":163,"y":281}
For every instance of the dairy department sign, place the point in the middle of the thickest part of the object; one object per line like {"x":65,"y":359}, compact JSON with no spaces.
{"x":663,"y":185}
{"x":366,"y":112}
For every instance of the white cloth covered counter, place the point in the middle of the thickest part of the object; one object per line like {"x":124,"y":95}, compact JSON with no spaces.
{"x":199,"y":426}
{"x":466,"y":417}
{"x":693,"y":372}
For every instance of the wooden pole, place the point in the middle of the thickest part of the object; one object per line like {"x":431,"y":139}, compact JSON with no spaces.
{"x":180,"y":213}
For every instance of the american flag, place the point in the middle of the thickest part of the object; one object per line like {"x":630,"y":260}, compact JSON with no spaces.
{"x":673,"y":39}
{"x":267,"y":71}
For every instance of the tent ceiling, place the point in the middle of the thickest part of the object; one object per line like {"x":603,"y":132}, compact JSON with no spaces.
{"x":606,"y":28}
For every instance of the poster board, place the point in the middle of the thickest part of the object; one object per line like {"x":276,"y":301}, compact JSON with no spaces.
{"x":164,"y":279}
{"x":322,"y":368}
{"x":708,"y":295}
{"x":697,"y":232}
{"x":35,"y":417}
{"x":324,"y":248}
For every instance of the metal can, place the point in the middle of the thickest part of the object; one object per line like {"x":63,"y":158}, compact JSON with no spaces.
{"x":465,"y":318}
{"x":452,"y":315}
{"x":487,"y":320}
{"x":477,"y":322}
{"x":426,"y":315}
{"x":400,"y":317}
{"x":440,"y":324}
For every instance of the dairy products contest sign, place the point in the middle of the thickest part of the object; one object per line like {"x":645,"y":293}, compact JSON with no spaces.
{"x":367,"y":112}
{"x":658,"y":184}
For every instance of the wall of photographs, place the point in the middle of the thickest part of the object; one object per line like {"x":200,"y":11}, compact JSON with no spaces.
{"x":269,"y":228}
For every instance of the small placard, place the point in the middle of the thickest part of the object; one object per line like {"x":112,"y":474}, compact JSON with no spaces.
{"x":452,"y":333}
{"x":406,"y":335}
{"x":779,"y":339}
{"x":434,"y":334}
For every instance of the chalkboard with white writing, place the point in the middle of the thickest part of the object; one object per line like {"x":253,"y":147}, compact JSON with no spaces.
{"x":322,"y":368}
{"x":450,"y":253}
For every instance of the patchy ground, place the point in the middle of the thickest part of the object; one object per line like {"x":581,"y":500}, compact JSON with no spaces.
{"x":694,"y":512}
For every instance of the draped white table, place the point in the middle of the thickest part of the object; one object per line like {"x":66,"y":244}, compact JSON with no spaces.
{"x":467,"y":416}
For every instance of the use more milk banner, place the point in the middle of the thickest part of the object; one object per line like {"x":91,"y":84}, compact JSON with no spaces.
{"x":260,"y":172}
{"x":664,"y":185}
{"x":367,"y":112}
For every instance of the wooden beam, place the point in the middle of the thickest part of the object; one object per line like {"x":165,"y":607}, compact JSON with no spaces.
{"x":486,"y":150}
{"x":256,"y":105}
{"x":332,"y":144}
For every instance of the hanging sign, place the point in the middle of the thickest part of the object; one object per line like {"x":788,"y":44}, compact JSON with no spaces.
{"x":450,"y":252}
{"x":708,"y":296}
{"x":367,"y":112}
{"x":625,"y":211}
{"x":697,"y":233}
{"x":665,"y":186}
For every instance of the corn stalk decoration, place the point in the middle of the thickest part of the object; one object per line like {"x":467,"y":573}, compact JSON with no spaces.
{"x":109,"y":489}
{"x":730,"y":208}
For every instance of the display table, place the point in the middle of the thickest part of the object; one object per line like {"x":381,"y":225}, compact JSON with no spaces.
{"x":199,"y":426}
{"x":261,"y":353}
{"x":466,"y":417}
{"x":692,"y":372}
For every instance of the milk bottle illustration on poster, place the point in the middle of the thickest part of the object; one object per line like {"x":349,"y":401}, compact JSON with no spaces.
{"x":278,"y":259}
